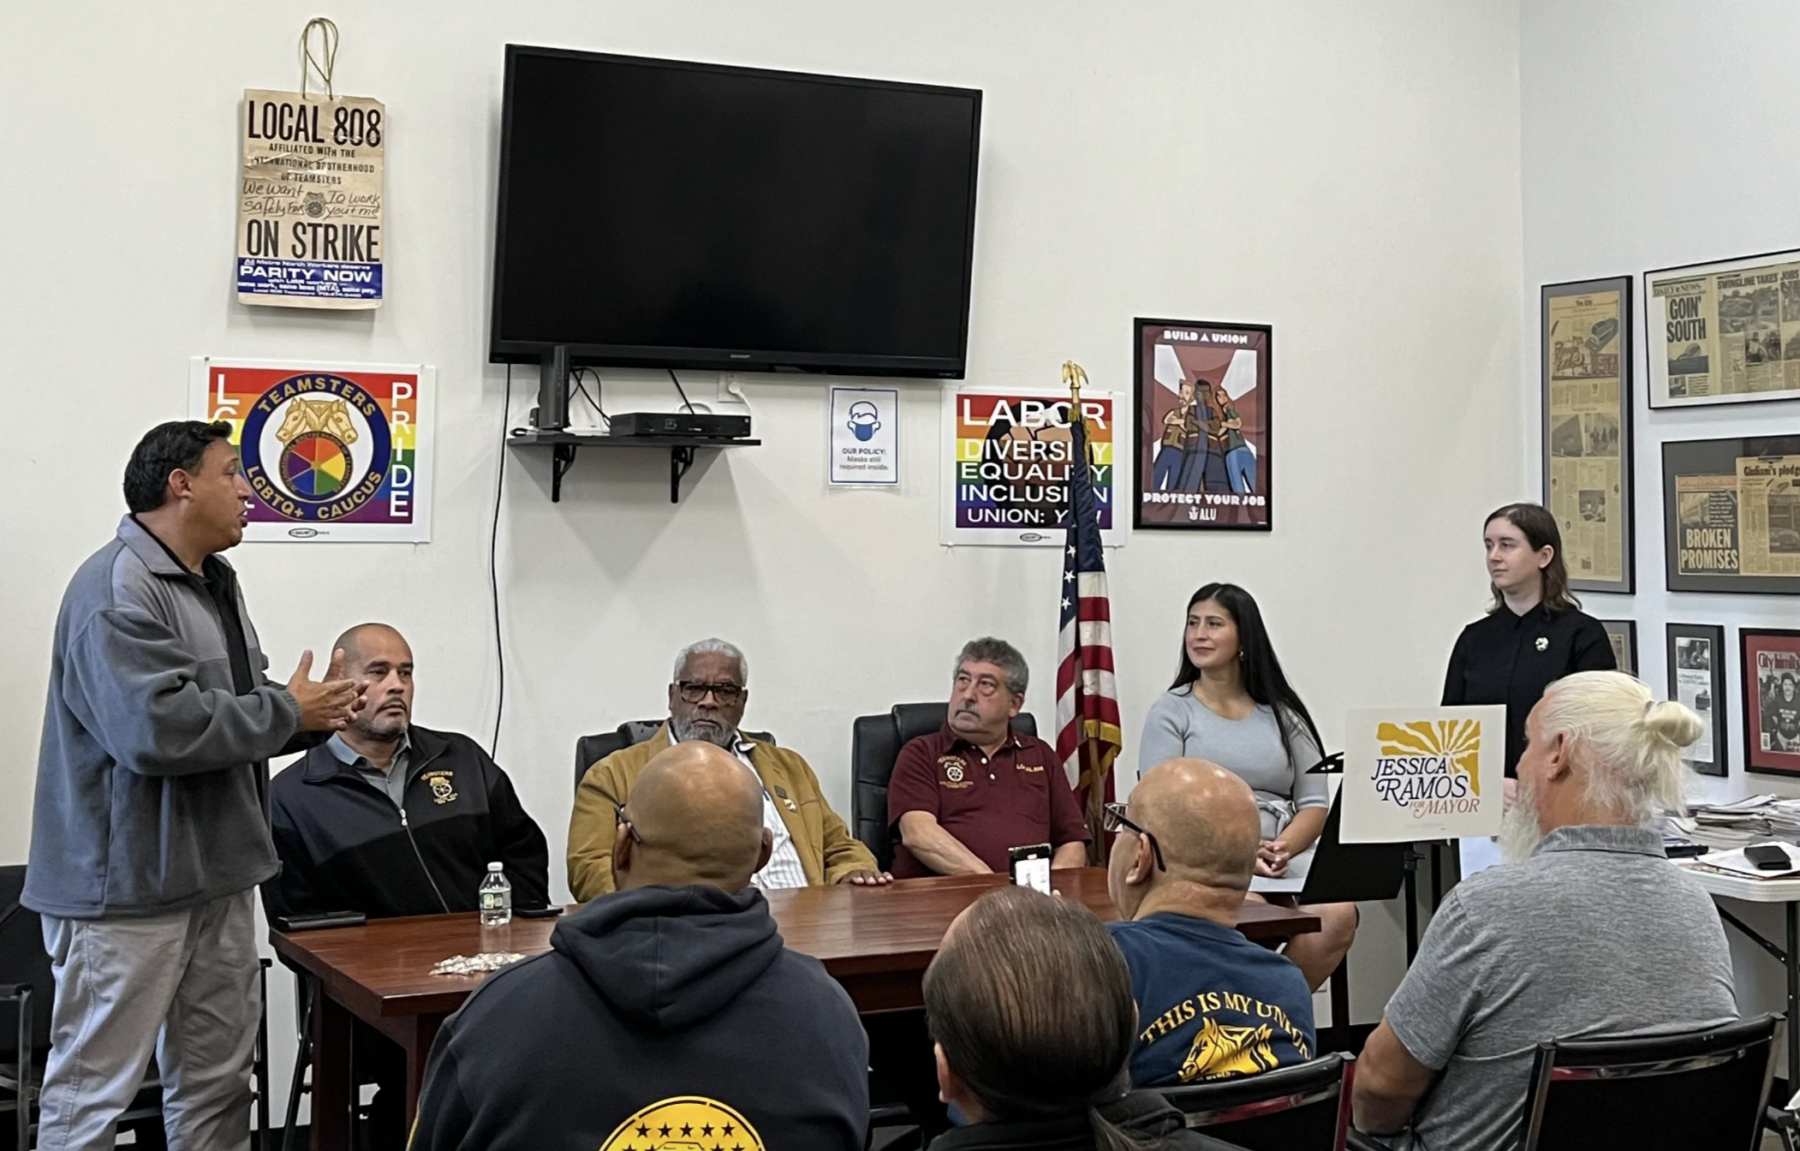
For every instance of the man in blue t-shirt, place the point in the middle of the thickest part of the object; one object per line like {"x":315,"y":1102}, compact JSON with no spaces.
{"x":1211,"y":1004}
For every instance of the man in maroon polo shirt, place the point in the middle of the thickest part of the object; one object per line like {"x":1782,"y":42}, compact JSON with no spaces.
{"x":963,"y":797}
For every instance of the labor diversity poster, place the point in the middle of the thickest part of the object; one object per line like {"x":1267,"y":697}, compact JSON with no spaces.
{"x":334,"y":453}
{"x":310,"y":213}
{"x":1423,"y":773}
{"x":1008,"y":461}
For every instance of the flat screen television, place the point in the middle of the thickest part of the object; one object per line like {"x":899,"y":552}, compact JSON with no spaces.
{"x":661,"y":213}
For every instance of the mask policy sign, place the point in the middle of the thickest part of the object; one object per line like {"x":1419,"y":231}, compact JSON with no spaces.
{"x":865,"y":437}
{"x":333,"y":453}
{"x":1423,"y":773}
{"x":1008,"y":462}
{"x":310,"y":215}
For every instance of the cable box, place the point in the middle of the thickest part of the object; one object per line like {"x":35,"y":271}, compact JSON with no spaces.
{"x":703,"y":425}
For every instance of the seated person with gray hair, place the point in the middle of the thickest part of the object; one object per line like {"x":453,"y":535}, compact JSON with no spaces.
{"x":1586,"y":932}
{"x":1032,"y":1016}
{"x":962,"y":798}
{"x":811,"y":844}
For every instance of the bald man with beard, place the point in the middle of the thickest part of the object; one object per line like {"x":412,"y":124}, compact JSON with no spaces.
{"x":668,"y":1009}
{"x":1211,"y":1004}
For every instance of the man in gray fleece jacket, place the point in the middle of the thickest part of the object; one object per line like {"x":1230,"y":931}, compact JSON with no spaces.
{"x":148,"y":833}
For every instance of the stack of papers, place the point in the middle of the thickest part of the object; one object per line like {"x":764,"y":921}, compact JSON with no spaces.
{"x":1753,"y":819}
{"x":1734,"y":863}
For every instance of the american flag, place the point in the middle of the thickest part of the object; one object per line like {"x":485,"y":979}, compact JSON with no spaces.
{"x":1087,"y":697}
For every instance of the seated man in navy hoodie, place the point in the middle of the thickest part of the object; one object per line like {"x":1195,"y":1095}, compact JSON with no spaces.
{"x":1211,"y":1004}
{"x":668,"y":1010}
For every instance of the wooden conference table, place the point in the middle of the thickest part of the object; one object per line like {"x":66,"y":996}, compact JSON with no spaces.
{"x":875,"y":941}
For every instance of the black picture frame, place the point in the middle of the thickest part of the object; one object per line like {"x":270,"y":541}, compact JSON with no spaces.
{"x":1659,"y":391}
{"x":1696,"y":665}
{"x":1771,"y":723}
{"x":1623,"y":634}
{"x":1704,"y":553}
{"x":1208,"y":489}
{"x":1583,"y":362}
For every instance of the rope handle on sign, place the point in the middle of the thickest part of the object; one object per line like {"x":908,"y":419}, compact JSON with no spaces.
{"x":325,"y":63}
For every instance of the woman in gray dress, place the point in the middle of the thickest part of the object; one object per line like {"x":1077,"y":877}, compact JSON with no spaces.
{"x":1231,"y":704}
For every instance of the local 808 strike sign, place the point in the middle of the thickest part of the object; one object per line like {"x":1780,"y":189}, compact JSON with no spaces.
{"x":310,"y":201}
{"x":333,"y":453}
{"x":1423,"y":773}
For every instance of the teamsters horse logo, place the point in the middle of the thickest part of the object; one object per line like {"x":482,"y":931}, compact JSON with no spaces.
{"x":1221,"y":1051}
{"x":1430,"y":768}
{"x":330,"y":448}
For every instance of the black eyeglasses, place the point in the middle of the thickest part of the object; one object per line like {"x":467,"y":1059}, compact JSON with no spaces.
{"x":1113,"y":818}
{"x":726,"y":693}
{"x":625,"y":822}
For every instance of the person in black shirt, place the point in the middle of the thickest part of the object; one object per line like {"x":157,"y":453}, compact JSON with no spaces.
{"x":1534,"y":634}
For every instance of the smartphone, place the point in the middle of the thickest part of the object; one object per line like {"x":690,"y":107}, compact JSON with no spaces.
{"x":1768,"y":857}
{"x":537,"y":912}
{"x":1031,"y":866}
{"x":321,"y":919}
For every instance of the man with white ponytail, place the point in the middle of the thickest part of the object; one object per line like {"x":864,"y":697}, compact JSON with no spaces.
{"x":1587,"y":931}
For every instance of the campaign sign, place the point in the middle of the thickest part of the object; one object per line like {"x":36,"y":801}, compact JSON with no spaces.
{"x":1419,"y":773}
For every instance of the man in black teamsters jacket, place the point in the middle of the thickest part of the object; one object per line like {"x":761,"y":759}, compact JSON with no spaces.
{"x":668,"y":1012}
{"x":391,"y":819}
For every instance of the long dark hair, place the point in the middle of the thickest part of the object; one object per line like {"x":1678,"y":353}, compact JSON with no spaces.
{"x":1031,"y":1001}
{"x":1263,"y":677}
{"x":1540,"y":531}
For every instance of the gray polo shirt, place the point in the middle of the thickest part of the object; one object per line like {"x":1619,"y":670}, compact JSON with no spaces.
{"x":392,"y":781}
{"x":1596,"y":935}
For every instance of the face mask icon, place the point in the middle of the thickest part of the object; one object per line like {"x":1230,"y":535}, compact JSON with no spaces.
{"x":865,"y":421}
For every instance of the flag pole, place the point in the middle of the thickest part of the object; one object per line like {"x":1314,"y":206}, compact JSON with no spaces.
{"x":1074,"y":376}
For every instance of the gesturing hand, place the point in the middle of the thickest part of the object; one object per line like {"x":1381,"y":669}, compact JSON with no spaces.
{"x":328,"y":704}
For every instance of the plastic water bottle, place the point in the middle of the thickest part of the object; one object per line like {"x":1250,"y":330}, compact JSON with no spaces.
{"x":495,"y":898}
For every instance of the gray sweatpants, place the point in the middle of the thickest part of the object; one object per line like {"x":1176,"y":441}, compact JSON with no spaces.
{"x":185,"y":984}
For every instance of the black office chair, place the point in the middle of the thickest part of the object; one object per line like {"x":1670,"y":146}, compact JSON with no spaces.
{"x":875,"y":743}
{"x":1301,"y":1108}
{"x":1697,"y":1091}
{"x":591,"y":749}
{"x":27,"y":985}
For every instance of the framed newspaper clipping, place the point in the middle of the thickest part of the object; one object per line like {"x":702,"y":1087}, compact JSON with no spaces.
{"x":1771,"y":670}
{"x":1723,"y":333}
{"x":1586,"y":367}
{"x":1201,"y":437}
{"x":1622,"y":634}
{"x":1697,"y":679}
{"x":1731,"y":515}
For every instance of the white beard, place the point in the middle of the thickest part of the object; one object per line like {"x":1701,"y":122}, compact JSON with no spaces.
{"x":1519,"y":830}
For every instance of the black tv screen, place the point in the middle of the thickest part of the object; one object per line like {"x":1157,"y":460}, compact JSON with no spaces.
{"x":670,"y":214}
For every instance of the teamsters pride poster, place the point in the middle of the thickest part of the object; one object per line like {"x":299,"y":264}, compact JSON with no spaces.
{"x":310,"y":200}
{"x":334,"y":453}
{"x":1007,"y":464}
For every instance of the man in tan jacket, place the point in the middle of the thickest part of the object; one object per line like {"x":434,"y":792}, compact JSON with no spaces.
{"x":706,"y":702}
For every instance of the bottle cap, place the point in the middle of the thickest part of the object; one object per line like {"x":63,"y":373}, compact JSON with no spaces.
{"x":494,"y":866}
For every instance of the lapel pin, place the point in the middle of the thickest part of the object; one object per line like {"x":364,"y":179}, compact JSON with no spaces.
{"x":1543,"y":643}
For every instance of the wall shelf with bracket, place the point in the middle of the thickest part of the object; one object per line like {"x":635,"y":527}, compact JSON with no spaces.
{"x":564,"y":445}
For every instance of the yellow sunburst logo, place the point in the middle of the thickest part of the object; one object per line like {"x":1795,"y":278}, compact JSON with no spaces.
{"x":685,"y":1123}
{"x":1456,"y":740}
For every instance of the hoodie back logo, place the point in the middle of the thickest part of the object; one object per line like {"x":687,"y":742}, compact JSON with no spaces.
{"x":685,"y":1123}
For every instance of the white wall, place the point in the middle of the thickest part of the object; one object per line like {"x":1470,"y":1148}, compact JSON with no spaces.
{"x":1347,"y":173}
{"x":1649,"y":141}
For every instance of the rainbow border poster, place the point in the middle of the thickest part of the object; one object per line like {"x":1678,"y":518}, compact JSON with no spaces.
{"x":1006,"y":465}
{"x":335,"y":453}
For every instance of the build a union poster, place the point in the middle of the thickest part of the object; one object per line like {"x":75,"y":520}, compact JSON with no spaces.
{"x":333,"y":453}
{"x":1008,"y":460}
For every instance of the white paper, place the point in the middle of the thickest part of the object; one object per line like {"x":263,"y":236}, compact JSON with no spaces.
{"x":1735,"y":862}
{"x":1413,"y":773}
{"x":865,"y":437}
{"x":1477,"y":853}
